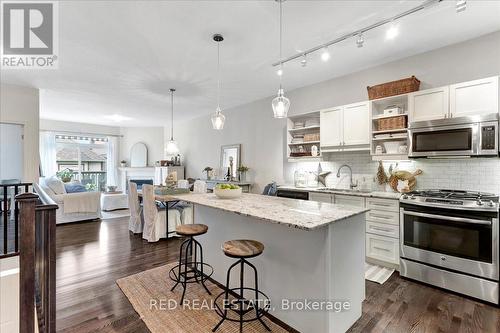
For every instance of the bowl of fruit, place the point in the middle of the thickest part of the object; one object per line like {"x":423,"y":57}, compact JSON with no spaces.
{"x":227,"y":191}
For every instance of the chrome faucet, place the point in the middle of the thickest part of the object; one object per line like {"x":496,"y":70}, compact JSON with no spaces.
{"x":351,"y":184}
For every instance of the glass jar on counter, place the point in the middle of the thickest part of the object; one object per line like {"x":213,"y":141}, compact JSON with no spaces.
{"x":300,"y":178}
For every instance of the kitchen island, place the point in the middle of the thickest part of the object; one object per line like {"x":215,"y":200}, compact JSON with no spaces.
{"x":312,"y":267}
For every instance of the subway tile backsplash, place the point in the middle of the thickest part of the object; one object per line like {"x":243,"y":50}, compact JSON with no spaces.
{"x":473,"y":174}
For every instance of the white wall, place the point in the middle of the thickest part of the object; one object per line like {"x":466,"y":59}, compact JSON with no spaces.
{"x":56,"y":125}
{"x":151,"y":136}
{"x":263,"y":138}
{"x":20,"y":105}
{"x":11,"y":151}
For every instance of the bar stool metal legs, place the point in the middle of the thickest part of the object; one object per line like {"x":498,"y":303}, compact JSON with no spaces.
{"x":190,"y":268}
{"x":242,"y":309}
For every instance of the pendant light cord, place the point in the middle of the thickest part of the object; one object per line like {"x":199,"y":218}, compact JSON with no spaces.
{"x":218,"y":76}
{"x":172,"y":124}
{"x":281,"y":39}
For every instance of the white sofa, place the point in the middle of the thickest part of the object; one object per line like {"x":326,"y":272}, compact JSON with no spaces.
{"x":91,"y":199}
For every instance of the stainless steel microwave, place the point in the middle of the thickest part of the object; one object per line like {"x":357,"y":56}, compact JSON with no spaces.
{"x":463,"y":136}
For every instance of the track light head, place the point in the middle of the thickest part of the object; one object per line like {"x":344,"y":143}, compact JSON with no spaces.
{"x":325,"y":55}
{"x":392,"y":32}
{"x":360,"y":41}
{"x":303,"y":62}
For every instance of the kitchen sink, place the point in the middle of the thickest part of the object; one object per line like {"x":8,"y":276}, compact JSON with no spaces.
{"x":326,"y":189}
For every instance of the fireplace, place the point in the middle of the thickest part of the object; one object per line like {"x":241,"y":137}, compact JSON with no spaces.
{"x":141,"y":182}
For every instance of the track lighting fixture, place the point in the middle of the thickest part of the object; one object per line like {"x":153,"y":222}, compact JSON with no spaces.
{"x":303,"y":62}
{"x":360,"y":40}
{"x":325,"y":56}
{"x":391,"y":33}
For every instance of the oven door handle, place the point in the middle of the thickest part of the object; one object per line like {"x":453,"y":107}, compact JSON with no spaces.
{"x":448,"y":218}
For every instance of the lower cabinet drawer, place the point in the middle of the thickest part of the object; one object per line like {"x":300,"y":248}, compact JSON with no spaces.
{"x":391,"y":205}
{"x":349,"y":200}
{"x":383,"y":216}
{"x":382,"y":229}
{"x":382,"y":248}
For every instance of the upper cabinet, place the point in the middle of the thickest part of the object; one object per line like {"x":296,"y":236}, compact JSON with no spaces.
{"x":474,"y":97}
{"x":356,"y":124}
{"x":458,"y":100}
{"x":429,"y":104}
{"x":331,"y":131}
{"x":346,"y":128}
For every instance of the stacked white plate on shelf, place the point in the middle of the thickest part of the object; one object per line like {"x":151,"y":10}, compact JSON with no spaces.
{"x":298,"y":139}
{"x":312,"y":122}
{"x":298,"y":124}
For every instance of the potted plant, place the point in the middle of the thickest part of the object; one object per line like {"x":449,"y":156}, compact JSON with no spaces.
{"x":243,"y":172}
{"x":208,"y":170}
{"x":123,"y":163}
{"x":65,"y":175}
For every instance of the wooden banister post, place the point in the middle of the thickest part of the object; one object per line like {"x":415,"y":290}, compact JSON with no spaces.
{"x":27,"y":203}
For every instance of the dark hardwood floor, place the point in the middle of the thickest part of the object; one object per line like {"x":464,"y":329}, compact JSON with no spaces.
{"x":401,"y":305}
{"x":92,"y":256}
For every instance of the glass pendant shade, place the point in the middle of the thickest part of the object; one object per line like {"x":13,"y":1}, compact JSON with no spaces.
{"x":172,"y":147}
{"x":280,"y":104}
{"x":218,"y":120}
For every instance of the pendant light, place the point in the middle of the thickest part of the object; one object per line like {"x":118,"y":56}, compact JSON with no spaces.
{"x":218,"y":118}
{"x":172,"y":147}
{"x":280,"y":103}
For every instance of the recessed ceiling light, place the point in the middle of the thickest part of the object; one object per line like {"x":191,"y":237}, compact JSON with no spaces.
{"x":392,"y":32}
{"x":325,"y":55}
{"x":279,"y":71}
{"x":461,"y":6}
{"x":117,"y":117}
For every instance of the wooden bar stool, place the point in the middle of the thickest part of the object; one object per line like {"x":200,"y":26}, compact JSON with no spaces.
{"x":190,"y":270}
{"x":240,"y":305}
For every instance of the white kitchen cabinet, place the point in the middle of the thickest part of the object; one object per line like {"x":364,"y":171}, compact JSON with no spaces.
{"x":345,"y":128}
{"x":474,"y":97}
{"x":382,"y":248}
{"x":356,"y":124}
{"x":321,"y":197}
{"x":382,"y":229}
{"x":390,"y":205}
{"x":349,"y":200}
{"x":331,"y":131}
{"x":429,"y":104}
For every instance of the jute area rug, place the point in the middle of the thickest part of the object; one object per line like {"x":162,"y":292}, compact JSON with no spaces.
{"x":150,"y":295}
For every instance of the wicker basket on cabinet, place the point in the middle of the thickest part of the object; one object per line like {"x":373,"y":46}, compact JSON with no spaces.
{"x":403,"y":86}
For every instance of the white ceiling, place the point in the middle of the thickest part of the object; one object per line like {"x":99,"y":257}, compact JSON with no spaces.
{"x":121,"y":57}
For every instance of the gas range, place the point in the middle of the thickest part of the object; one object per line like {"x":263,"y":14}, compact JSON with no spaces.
{"x":450,"y":239}
{"x":453,"y":199}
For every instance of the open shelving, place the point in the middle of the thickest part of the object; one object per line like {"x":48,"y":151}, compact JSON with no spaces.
{"x":380,"y":137}
{"x":309,"y":127}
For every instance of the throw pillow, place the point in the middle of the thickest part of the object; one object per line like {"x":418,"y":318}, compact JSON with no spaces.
{"x":74,"y":187}
{"x":56,"y":185}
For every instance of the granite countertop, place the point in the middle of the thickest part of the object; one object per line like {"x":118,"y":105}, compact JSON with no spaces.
{"x":301,"y":214}
{"x":371,"y":194}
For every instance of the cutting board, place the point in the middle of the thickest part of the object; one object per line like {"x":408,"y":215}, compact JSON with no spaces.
{"x":404,"y":175}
